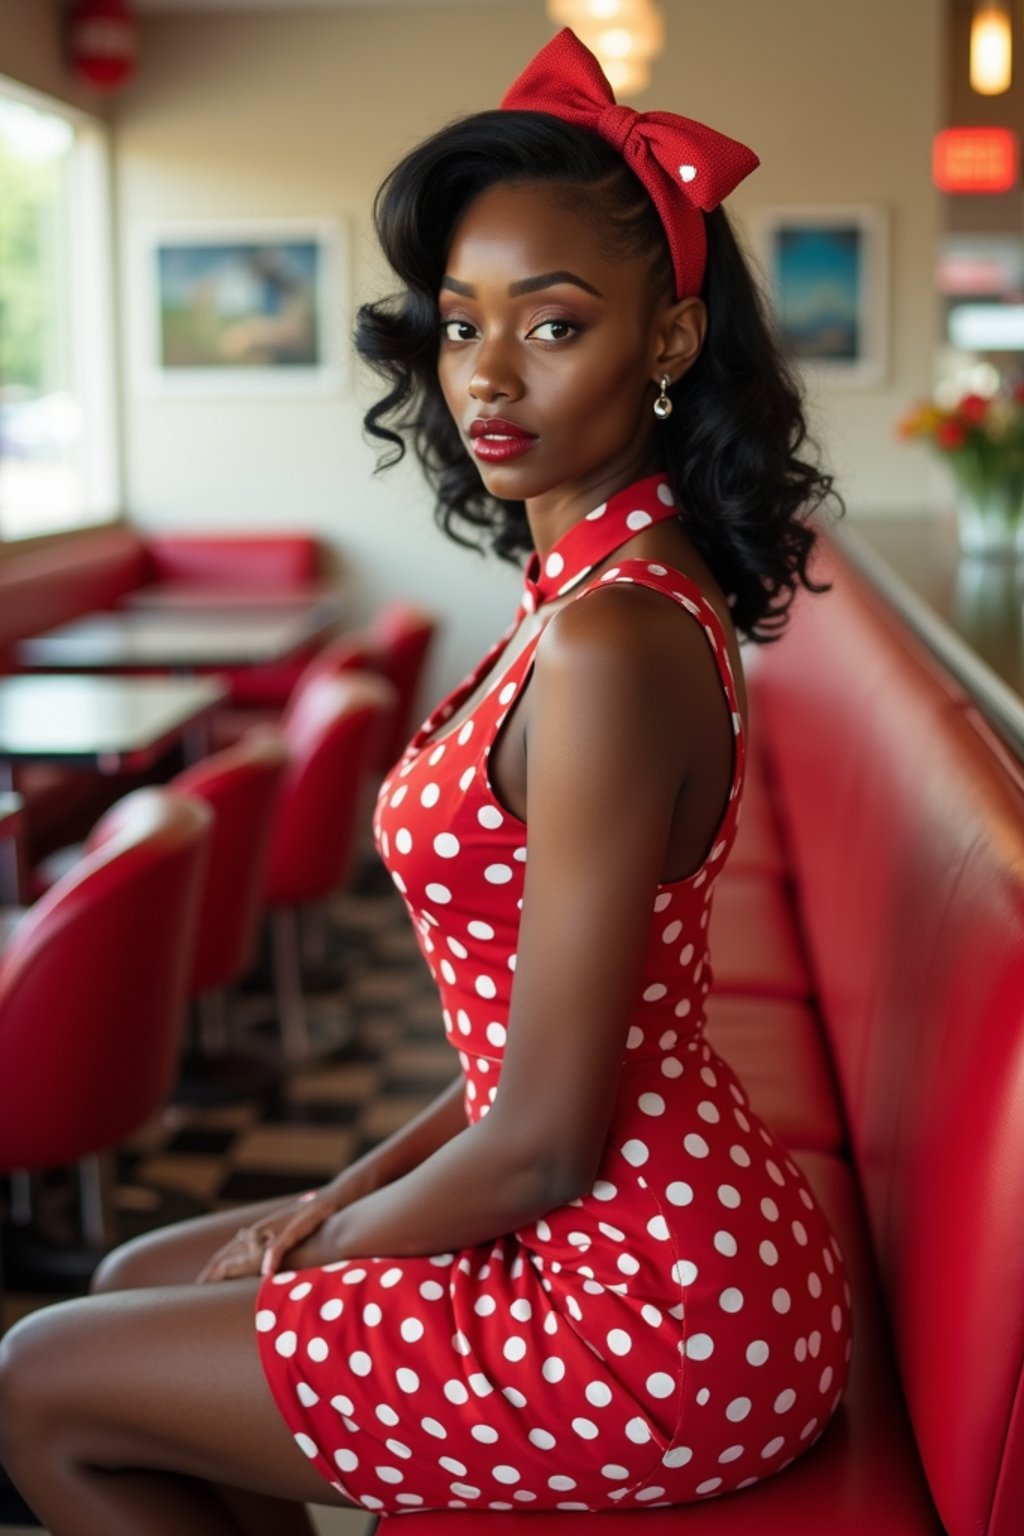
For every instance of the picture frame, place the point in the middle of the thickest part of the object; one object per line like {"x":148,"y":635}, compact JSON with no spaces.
{"x":243,"y":306}
{"x":826,"y":276}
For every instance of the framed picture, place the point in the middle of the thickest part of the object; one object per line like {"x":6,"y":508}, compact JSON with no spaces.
{"x":826,"y":273}
{"x":243,"y":307}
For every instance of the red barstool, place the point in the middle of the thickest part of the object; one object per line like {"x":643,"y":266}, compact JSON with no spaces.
{"x":400,"y":638}
{"x":93,"y":982}
{"x":330,"y":726}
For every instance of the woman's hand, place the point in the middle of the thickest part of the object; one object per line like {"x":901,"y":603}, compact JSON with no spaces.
{"x":257,"y":1250}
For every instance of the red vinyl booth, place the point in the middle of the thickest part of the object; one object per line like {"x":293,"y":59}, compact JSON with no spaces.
{"x":867,"y":941}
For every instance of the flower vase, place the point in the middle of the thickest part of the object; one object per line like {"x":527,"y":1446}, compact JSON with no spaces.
{"x":990,"y":519}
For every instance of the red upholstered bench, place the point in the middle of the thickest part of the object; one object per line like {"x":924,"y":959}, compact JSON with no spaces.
{"x":868,"y":958}
{"x":53,"y":583}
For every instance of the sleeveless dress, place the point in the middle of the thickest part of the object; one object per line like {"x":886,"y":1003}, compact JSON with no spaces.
{"x":680,"y":1331}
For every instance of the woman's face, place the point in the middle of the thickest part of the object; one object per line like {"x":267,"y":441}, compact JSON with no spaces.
{"x":548,"y":348}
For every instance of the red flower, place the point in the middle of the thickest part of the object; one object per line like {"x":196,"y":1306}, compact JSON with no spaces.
{"x":950,"y":434}
{"x":972,"y":409}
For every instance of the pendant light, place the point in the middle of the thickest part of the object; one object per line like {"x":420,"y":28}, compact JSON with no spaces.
{"x":625,"y":35}
{"x":991,"y":47}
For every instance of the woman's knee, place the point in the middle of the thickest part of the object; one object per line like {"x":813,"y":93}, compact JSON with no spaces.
{"x":33,"y":1358}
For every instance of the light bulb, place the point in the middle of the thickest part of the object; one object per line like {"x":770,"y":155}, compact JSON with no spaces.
{"x":991,"y":49}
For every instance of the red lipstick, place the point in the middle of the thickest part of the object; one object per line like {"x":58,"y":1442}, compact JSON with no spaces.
{"x":495,"y":439}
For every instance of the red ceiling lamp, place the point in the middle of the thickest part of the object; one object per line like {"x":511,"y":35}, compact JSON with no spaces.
{"x":103,"y":36}
{"x":966,"y":160}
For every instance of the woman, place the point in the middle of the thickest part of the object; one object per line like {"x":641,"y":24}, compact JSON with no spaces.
{"x":605,"y":1284}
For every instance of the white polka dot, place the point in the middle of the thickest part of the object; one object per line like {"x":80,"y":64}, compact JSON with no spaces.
{"x":699,"y":1346}
{"x":430,"y":1290}
{"x":286,"y":1343}
{"x":411,"y":1330}
{"x":757,"y":1353}
{"x":627,"y":1264}
{"x":457,"y":1468}
{"x":484,"y":1306}
{"x":638,"y":519}
{"x":386,"y":1414}
{"x":514,"y":1349}
{"x":347,"y":1461}
{"x":672,"y":932}
{"x":781,"y":1299}
{"x":679,"y":1193}
{"x":403,"y":840}
{"x":390,"y":1277}
{"x":542,"y":1439}
{"x":731,"y":1300}
{"x":729,"y":1195}
{"x":677,"y":1456}
{"x":658,"y":1229}
{"x":439,"y":893}
{"x":654,"y":992}
{"x":485,"y":986}
{"x":651,"y":1104}
{"x":446,"y":846}
{"x":602,"y":1190}
{"x":372,"y":1314}
{"x":554,"y":565}
{"x":455,"y":1392}
{"x":773,"y":1446}
{"x":614,"y":1472}
{"x":619,"y":1341}
{"x":490,"y":817}
{"x":484,"y":1433}
{"x":585,"y":1428}
{"x":635,"y":1152}
{"x":785,"y":1400}
{"x":597,"y":1394}
{"x":553,"y":1369}
{"x":306,"y":1396}
{"x":738,"y":1409}
{"x":660,"y":1384}
{"x":407,"y":1379}
{"x":429,"y":795}
{"x":344,"y":1405}
{"x":769,"y":1253}
{"x":497,"y":874}
{"x":521,"y":1310}
{"x":318,"y":1349}
{"x":684,"y":1271}
{"x":306,"y":1445}
{"x":639,"y":1431}
{"x":561,"y":1484}
{"x":651,"y":1493}
{"x":695,"y":1145}
{"x":265,"y":1320}
{"x":432,"y":1427}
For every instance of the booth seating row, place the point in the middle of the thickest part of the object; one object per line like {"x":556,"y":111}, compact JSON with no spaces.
{"x":867,"y":943}
{"x":55,"y":583}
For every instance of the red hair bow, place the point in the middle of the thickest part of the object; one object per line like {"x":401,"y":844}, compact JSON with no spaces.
{"x":685,"y":166}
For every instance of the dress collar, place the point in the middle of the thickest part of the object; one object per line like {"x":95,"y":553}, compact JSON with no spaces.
{"x":586,"y":543}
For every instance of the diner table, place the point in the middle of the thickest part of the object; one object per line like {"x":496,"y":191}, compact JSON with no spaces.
{"x":111,"y":724}
{"x":319,"y":600}
{"x":181,"y":641}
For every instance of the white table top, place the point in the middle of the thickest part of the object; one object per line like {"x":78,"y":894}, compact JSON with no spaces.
{"x":110,"y":722}
{"x":180,"y":640}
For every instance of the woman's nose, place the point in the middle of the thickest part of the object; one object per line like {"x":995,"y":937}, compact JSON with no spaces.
{"x":493,"y":377}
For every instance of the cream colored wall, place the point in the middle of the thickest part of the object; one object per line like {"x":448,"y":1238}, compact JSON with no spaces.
{"x":32,"y":51}
{"x":302,"y":112}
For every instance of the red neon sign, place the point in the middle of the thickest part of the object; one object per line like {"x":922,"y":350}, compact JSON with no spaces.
{"x":976,"y":159}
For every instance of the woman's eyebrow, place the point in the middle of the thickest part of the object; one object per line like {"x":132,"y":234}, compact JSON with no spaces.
{"x":527,"y":285}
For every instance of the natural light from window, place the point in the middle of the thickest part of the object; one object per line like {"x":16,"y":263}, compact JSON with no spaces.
{"x":56,"y":388}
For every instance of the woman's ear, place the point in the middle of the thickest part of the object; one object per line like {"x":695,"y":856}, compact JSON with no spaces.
{"x":679,"y":335}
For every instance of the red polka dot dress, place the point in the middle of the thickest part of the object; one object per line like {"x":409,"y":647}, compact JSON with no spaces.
{"x":681,"y":1330}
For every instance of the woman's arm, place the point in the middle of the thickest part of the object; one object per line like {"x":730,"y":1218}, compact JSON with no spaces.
{"x":608,"y":749}
{"x":407,"y":1147}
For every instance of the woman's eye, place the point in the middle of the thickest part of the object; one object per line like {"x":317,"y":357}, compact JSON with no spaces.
{"x":457,"y":330}
{"x":558,"y":330}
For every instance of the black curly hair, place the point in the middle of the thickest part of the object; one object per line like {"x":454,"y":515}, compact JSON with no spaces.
{"x":730,"y":447}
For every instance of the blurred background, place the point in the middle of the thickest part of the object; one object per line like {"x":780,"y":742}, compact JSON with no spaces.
{"x":156,"y":154}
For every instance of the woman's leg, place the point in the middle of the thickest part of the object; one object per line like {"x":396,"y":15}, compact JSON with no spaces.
{"x":174,"y":1255}
{"x":119,"y":1414}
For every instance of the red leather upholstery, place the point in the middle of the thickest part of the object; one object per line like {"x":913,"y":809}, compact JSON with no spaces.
{"x":330,"y":725}
{"x":346,"y":653}
{"x":401,"y":636}
{"x":240,"y":785}
{"x":226,"y":559}
{"x":93,"y":983}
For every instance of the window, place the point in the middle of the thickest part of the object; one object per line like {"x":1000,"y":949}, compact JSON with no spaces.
{"x":57,"y":398}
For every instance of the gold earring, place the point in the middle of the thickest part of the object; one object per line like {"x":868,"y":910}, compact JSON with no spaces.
{"x":663,"y":405}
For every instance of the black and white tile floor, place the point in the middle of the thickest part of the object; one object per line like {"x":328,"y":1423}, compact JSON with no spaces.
{"x":317,"y":1118}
